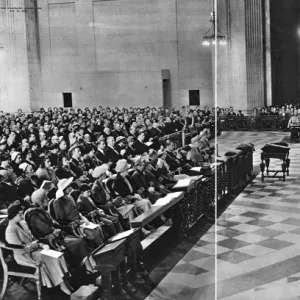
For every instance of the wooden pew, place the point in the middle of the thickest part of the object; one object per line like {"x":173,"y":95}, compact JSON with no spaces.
{"x":154,"y":212}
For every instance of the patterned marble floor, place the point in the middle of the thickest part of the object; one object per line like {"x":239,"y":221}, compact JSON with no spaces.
{"x":256,"y":240}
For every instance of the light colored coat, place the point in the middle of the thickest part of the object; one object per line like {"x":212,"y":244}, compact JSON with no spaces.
{"x":52,"y":269}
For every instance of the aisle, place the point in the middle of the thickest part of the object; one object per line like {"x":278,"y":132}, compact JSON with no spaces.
{"x":258,"y":240}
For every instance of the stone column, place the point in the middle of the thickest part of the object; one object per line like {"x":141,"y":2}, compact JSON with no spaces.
{"x":267,"y":40}
{"x":254,"y":54}
{"x":241,"y":72}
{"x":18,"y":83}
{"x":223,"y":70}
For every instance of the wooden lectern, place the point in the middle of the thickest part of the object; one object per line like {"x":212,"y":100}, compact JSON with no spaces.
{"x":132,"y":242}
{"x":108,"y":258}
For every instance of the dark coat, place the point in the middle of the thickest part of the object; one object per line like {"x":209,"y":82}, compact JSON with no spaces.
{"x":140,"y":148}
{"x":63,"y":172}
{"x":99,"y":195}
{"x":76,"y":167}
{"x":172,"y":161}
{"x":85,"y":206}
{"x":120,"y":186}
{"x":102,"y":157}
{"x":112,"y":155}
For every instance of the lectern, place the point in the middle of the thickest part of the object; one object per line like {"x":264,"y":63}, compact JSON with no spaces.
{"x":108,"y":258}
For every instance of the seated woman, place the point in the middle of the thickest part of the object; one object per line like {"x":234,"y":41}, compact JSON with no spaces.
{"x":123,"y":187}
{"x":45,"y":230}
{"x":71,"y":220}
{"x":106,"y":200}
{"x":63,"y":170}
{"x":25,"y":184}
{"x":53,"y":270}
{"x":45,"y":171}
{"x":87,"y":207}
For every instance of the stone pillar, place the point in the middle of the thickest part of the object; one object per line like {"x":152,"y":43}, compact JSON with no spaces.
{"x":223,"y":70}
{"x":33,"y":52}
{"x":254,"y":54}
{"x":241,"y":63}
{"x":237,"y":56}
{"x":267,"y":39}
{"x":18,"y":81}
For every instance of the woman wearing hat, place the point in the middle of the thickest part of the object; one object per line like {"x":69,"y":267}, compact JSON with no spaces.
{"x":42,"y":227}
{"x":123,"y":186}
{"x":103,"y":198}
{"x":67,"y":215}
{"x":53,"y":270}
{"x":88,"y":208}
{"x":16,"y":160}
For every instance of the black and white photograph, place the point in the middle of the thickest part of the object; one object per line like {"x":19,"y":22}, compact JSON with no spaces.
{"x":150,"y":149}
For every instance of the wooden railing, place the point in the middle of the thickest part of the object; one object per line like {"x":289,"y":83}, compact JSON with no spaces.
{"x":267,"y":122}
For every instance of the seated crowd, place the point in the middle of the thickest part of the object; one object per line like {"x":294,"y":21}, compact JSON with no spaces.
{"x":70,"y":180}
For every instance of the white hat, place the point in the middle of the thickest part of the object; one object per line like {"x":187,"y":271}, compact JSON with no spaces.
{"x":23,"y":166}
{"x":120,"y":138}
{"x":14,"y":155}
{"x":202,"y":133}
{"x":38,"y":195}
{"x":98,"y":171}
{"x":195,"y":139}
{"x":62,"y":185}
{"x":122,"y":166}
{"x":137,"y":160}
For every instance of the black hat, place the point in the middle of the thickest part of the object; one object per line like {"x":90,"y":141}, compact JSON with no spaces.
{"x":4,"y":156}
{"x":84,"y":187}
{"x":53,"y":146}
{"x":13,"y":209}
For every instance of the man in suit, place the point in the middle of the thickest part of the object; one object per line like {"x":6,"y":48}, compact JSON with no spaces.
{"x":139,"y":180}
{"x":111,"y":153}
{"x":130,"y":150}
{"x":195,"y":154}
{"x":140,"y":147}
{"x":100,"y":153}
{"x":171,"y":159}
{"x":75,"y":164}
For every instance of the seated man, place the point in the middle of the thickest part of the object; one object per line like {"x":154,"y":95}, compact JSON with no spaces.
{"x":140,"y":146}
{"x":67,"y":215}
{"x":195,"y":154}
{"x":104,"y":199}
{"x":123,"y":187}
{"x":204,"y":146}
{"x":46,"y":231}
{"x":88,"y":209}
{"x":174,"y":161}
{"x":157,"y":166}
{"x":139,"y":181}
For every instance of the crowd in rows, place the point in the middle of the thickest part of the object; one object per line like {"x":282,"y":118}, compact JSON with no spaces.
{"x":70,"y":180}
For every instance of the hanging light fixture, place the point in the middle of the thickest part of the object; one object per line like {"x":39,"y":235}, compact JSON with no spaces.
{"x":213,"y":35}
